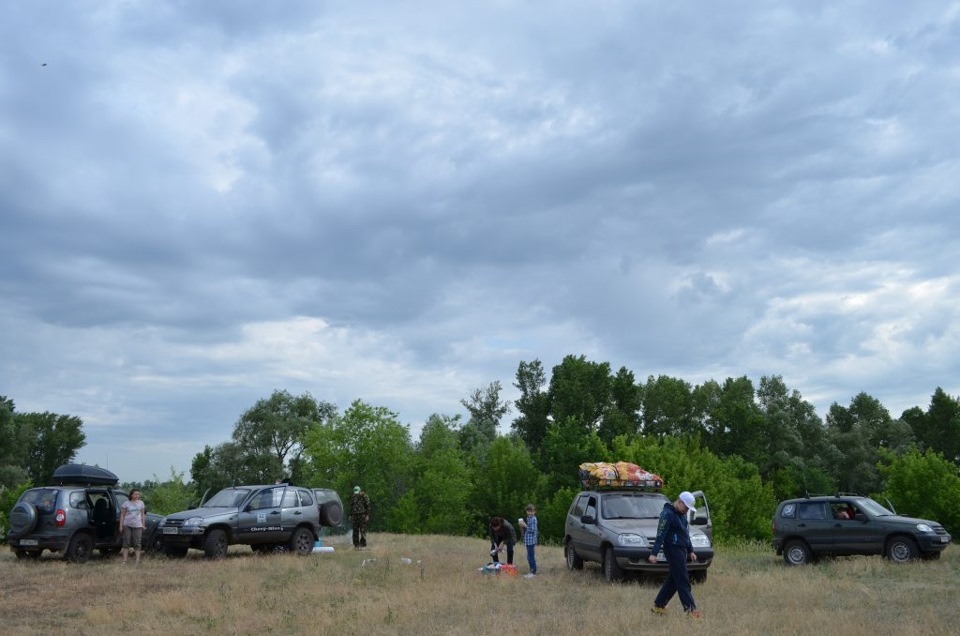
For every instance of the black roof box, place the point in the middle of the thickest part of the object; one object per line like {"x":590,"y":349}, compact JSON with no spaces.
{"x":84,"y":474}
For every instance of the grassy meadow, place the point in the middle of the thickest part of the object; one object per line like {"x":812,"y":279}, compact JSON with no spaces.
{"x":441,"y":591}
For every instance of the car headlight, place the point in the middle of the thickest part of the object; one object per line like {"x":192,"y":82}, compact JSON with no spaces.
{"x":922,"y":527}
{"x":193,"y":521}
{"x":634,"y":540}
{"x":700,"y":541}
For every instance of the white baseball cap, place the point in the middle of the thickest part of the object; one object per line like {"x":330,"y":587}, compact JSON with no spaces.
{"x":687,"y":498}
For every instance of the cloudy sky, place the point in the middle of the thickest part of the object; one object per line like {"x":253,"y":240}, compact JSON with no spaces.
{"x":201,"y":202}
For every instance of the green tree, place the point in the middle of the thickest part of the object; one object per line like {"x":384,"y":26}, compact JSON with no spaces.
{"x":277,"y":426}
{"x":505,"y":483}
{"x":486,"y":410}
{"x":533,"y":406}
{"x":623,"y":416}
{"x":741,"y":505}
{"x":566,"y":447}
{"x":368,"y":446}
{"x":229,"y":464}
{"x":441,"y":485}
{"x":53,"y":440}
{"x":13,"y":447}
{"x":860,"y":432}
{"x":939,"y":428}
{"x":924,"y":485}
{"x":580,"y":391}
{"x":667,"y":407}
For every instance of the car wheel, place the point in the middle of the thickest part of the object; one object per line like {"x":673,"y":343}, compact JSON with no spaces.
{"x":331,"y":514}
{"x":700,"y":576}
{"x":302,"y":541}
{"x":902,"y":550}
{"x":155,"y":544}
{"x":611,"y":570}
{"x":175,"y":551}
{"x":797,"y":553}
{"x":29,"y":555}
{"x":215,"y":544}
{"x":23,"y":518}
{"x":574,"y":562}
{"x":79,"y":548}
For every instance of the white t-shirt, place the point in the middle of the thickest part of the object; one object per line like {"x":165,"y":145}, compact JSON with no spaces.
{"x":132,"y":513}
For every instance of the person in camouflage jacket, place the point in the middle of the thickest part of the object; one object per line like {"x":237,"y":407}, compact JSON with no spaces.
{"x":359,"y":517}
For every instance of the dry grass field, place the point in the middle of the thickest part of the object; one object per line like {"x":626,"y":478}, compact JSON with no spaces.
{"x":749,"y":591}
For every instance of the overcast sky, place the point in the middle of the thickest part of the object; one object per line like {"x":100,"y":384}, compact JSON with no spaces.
{"x":201,"y":202}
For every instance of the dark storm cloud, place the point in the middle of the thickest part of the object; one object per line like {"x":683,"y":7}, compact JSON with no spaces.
{"x":202,"y":202}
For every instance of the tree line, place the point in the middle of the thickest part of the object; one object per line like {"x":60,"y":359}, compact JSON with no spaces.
{"x":746,"y":446}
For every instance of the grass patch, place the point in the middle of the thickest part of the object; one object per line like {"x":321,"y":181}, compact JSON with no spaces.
{"x":440,"y":591}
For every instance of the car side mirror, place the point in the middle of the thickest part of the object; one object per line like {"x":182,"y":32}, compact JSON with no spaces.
{"x":588,"y":519}
{"x":698,"y":521}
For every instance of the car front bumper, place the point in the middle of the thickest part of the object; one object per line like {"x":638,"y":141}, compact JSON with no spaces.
{"x":635,"y":560}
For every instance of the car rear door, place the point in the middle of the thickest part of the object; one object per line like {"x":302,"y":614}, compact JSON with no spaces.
{"x":817,"y":525}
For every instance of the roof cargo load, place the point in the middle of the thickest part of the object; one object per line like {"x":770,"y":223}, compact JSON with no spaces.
{"x":618,"y":475}
{"x":84,"y":474}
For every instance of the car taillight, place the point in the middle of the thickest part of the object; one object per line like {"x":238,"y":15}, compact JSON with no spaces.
{"x":61,"y":518}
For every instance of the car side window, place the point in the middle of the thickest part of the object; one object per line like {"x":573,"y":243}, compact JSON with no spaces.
{"x":591,"y":507}
{"x":77,"y":500}
{"x":789,"y":511}
{"x":812,"y":511}
{"x":305,"y":498}
{"x":580,"y":506}
{"x":290,"y":499}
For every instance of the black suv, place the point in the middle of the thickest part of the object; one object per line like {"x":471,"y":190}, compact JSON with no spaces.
{"x":77,"y":514}
{"x":616,"y":527}
{"x":809,"y":527}
{"x":268,"y":518}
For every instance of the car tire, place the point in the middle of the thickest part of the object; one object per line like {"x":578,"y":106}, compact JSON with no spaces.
{"x":154,"y":544}
{"x":611,"y":569}
{"x":175,"y":551}
{"x":331,"y":514}
{"x":29,"y":555}
{"x":79,"y":548}
{"x":302,"y":541}
{"x":215,"y":544}
{"x":574,"y":562}
{"x":700,"y":576}
{"x":902,"y":550}
{"x":797,"y":552}
{"x":23,"y":518}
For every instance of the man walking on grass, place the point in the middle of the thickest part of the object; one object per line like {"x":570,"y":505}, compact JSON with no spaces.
{"x":674,"y":537}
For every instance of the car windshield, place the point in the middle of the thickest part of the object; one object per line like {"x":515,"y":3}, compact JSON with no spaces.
{"x":616,"y":506}
{"x":227,"y":498}
{"x":871,"y":507}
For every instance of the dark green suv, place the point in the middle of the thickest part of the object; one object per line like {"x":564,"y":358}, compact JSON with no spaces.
{"x":809,"y":527}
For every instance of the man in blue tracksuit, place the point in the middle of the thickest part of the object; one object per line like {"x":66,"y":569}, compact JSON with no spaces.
{"x":674,"y":537}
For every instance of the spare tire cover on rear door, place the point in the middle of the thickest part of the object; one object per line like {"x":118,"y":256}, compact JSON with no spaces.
{"x":23,"y":518}
{"x":331,"y":513}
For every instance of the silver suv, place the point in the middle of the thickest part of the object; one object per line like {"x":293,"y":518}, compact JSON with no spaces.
{"x":270,"y":518}
{"x":616,"y":527}
{"x":79,"y":513}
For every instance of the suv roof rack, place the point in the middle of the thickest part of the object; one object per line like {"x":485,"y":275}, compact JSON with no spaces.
{"x":650,"y":485}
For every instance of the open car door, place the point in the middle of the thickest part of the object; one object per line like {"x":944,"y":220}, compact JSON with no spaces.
{"x":701,"y":518}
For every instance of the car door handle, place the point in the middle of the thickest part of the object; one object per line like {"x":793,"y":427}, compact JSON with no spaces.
{"x":298,"y":513}
{"x":275,"y":512}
